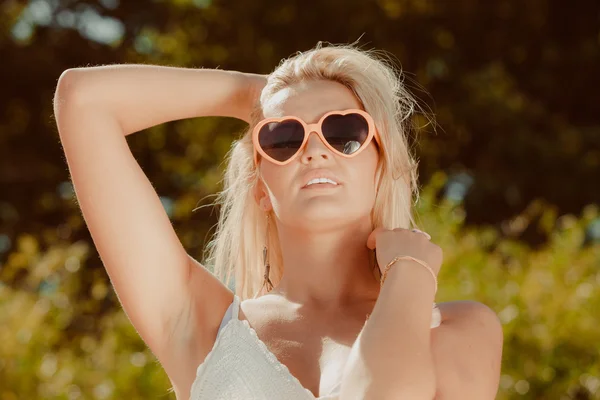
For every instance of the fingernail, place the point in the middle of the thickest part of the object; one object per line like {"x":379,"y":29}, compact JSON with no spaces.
{"x":425,"y":233}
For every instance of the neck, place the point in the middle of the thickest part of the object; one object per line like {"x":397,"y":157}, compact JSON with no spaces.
{"x":328,"y":268}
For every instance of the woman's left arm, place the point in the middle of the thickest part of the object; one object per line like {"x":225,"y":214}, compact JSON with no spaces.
{"x":394,"y":356}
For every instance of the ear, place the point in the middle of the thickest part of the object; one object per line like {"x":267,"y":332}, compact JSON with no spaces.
{"x":261,"y":196}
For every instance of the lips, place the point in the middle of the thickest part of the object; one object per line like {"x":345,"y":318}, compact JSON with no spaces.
{"x":319,"y":173}
{"x":322,"y":186}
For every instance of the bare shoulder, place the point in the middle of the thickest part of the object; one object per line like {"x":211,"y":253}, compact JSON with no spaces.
{"x":467,"y":351}
{"x":262,"y":309}
{"x":464,"y":311}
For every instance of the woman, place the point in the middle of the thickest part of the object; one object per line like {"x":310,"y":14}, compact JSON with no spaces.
{"x":322,"y":177}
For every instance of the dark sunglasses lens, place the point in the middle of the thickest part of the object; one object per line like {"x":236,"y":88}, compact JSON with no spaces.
{"x":281,"y":140}
{"x":346,"y":133}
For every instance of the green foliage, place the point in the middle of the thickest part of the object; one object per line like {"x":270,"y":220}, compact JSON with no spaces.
{"x":63,"y":337}
{"x":511,"y":83}
{"x":57,"y":343}
{"x":546,"y":298}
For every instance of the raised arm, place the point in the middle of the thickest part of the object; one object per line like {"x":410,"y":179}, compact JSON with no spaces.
{"x":174,"y":303}
{"x":141,"y":96}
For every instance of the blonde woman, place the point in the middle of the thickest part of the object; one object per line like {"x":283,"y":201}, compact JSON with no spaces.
{"x":321,"y":178}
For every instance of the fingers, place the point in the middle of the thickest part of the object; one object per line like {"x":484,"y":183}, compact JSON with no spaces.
{"x":424,"y":233}
{"x":372,"y":239}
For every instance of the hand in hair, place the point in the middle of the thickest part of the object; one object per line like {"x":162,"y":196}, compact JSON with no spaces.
{"x":404,"y":242}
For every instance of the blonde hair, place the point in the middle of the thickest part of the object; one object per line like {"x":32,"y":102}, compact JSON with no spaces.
{"x":237,"y":247}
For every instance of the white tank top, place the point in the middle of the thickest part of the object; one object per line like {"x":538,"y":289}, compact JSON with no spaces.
{"x":241,"y":367}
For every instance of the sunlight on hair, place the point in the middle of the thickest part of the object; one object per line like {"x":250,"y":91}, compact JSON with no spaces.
{"x":236,"y":249}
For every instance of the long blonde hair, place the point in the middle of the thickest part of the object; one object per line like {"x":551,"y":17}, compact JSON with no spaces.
{"x":238,"y":242}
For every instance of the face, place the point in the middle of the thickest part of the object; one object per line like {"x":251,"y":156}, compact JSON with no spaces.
{"x":281,"y":187}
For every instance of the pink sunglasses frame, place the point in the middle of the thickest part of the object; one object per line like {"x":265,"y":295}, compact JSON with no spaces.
{"x":308,"y":129}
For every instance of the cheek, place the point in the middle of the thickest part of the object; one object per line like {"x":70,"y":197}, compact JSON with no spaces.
{"x":369,"y":163}
{"x":278,"y":179}
{"x":365,"y":178}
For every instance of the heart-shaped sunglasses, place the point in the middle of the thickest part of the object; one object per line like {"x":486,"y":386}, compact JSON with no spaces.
{"x":346,"y":133}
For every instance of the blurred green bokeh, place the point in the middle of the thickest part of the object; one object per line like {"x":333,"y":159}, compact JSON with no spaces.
{"x":62,"y":337}
{"x":510,"y":181}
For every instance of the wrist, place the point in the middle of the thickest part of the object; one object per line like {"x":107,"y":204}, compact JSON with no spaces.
{"x":249,"y":89}
{"x":406,"y":271}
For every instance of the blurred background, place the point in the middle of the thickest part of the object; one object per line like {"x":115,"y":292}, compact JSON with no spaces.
{"x":510,"y":179}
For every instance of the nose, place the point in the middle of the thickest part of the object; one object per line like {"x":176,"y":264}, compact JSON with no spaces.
{"x":315,"y":149}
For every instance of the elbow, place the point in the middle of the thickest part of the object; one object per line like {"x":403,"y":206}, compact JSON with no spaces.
{"x":423,"y":387}
{"x":412,"y":394}
{"x":390,"y":390}
{"x":378,"y":394}
{"x":68,"y":90}
{"x":420,"y":393}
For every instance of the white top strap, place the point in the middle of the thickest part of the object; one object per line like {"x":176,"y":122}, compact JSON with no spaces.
{"x":235,"y":308}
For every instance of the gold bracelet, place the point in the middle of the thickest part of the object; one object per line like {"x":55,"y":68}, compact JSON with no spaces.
{"x":396,"y":259}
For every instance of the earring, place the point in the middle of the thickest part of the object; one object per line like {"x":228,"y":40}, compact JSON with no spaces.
{"x":267,"y":279}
